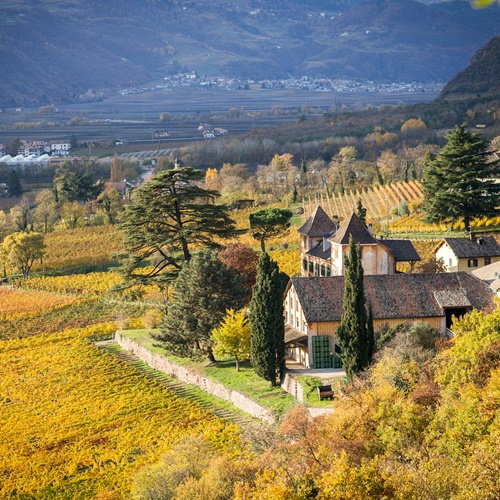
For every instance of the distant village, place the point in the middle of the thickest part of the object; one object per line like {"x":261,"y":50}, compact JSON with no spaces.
{"x":194,"y":80}
{"x":37,"y":152}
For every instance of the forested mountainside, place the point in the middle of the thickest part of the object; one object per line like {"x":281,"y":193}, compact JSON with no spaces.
{"x":480,"y":78}
{"x":58,"y":51}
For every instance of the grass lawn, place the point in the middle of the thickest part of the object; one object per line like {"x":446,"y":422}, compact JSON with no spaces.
{"x":245,"y":381}
{"x":310,"y":384}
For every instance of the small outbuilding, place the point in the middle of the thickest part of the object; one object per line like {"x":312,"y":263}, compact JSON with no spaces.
{"x":468,"y":254}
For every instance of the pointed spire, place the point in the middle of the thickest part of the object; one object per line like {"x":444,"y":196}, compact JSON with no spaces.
{"x":353,"y":226}
{"x":318,"y":224}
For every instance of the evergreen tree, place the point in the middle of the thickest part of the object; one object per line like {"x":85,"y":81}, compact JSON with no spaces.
{"x":459,"y":183}
{"x":116,"y":173}
{"x":75,"y":184}
{"x":269,"y":222}
{"x":14,"y":187}
{"x":361,"y":211}
{"x":370,"y":332}
{"x":168,"y":216}
{"x":354,"y":336}
{"x":73,"y":142}
{"x":14,"y":147}
{"x":202,"y":293}
{"x":267,"y":322}
{"x":303,"y":168}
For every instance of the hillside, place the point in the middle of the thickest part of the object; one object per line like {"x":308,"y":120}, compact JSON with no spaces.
{"x":480,"y":78}
{"x":82,"y":50}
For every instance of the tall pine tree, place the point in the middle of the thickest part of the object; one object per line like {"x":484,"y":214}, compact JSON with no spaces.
{"x":355,"y":333}
{"x":169,"y":216}
{"x":459,"y":183}
{"x":202,"y":293}
{"x":14,"y":186}
{"x":267,"y":322}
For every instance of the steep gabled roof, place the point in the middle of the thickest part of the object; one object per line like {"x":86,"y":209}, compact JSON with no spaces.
{"x":394,"y":296}
{"x":480,"y":246}
{"x":353,"y":226}
{"x":403,"y":250}
{"x":318,"y":224}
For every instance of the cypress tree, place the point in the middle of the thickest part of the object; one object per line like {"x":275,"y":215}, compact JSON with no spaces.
{"x":14,"y":186}
{"x":361,"y":211}
{"x":354,"y":335}
{"x":267,"y":322}
{"x":370,"y":339}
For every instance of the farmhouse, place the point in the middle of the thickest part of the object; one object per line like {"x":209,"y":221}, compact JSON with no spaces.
{"x":491,"y":275}
{"x":323,"y":244}
{"x":467,"y":254}
{"x":60,"y":148}
{"x":313,"y":307}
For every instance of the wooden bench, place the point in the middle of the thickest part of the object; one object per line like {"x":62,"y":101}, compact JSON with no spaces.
{"x":325,"y":392}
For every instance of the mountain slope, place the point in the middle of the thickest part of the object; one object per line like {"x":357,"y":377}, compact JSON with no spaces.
{"x":58,"y":51}
{"x":480,"y":78}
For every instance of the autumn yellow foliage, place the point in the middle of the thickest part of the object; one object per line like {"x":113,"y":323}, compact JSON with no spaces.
{"x":83,"y":245}
{"x":288,"y":261}
{"x":16,"y":303}
{"x":77,"y":422}
{"x":91,"y":283}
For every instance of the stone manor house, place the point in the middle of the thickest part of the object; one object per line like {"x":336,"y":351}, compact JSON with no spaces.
{"x":313,"y":302}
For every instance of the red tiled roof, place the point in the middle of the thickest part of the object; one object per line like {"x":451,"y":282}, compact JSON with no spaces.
{"x":394,"y":296}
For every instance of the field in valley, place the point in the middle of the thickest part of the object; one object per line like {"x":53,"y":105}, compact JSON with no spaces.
{"x":135,"y":117}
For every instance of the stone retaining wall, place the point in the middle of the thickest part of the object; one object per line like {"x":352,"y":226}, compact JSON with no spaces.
{"x":183,"y":374}
{"x":293,"y":387}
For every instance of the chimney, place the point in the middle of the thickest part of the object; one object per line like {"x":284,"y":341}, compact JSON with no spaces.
{"x":472,"y":236}
{"x":326,"y":244}
{"x":369,"y":228}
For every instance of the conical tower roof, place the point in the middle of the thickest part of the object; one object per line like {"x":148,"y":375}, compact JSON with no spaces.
{"x":318,"y":224}
{"x":354,"y":226}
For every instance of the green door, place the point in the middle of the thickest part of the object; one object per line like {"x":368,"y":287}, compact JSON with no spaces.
{"x":321,"y":352}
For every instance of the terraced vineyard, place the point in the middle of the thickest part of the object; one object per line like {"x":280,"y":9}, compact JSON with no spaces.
{"x":78,"y":422}
{"x":381,"y":204}
{"x":85,"y":245}
{"x":379,"y":201}
{"x":222,"y":409}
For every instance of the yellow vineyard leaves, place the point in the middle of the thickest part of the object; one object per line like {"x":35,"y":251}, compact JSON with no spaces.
{"x":81,"y":246}
{"x":76,"y":421}
{"x":16,"y":303}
